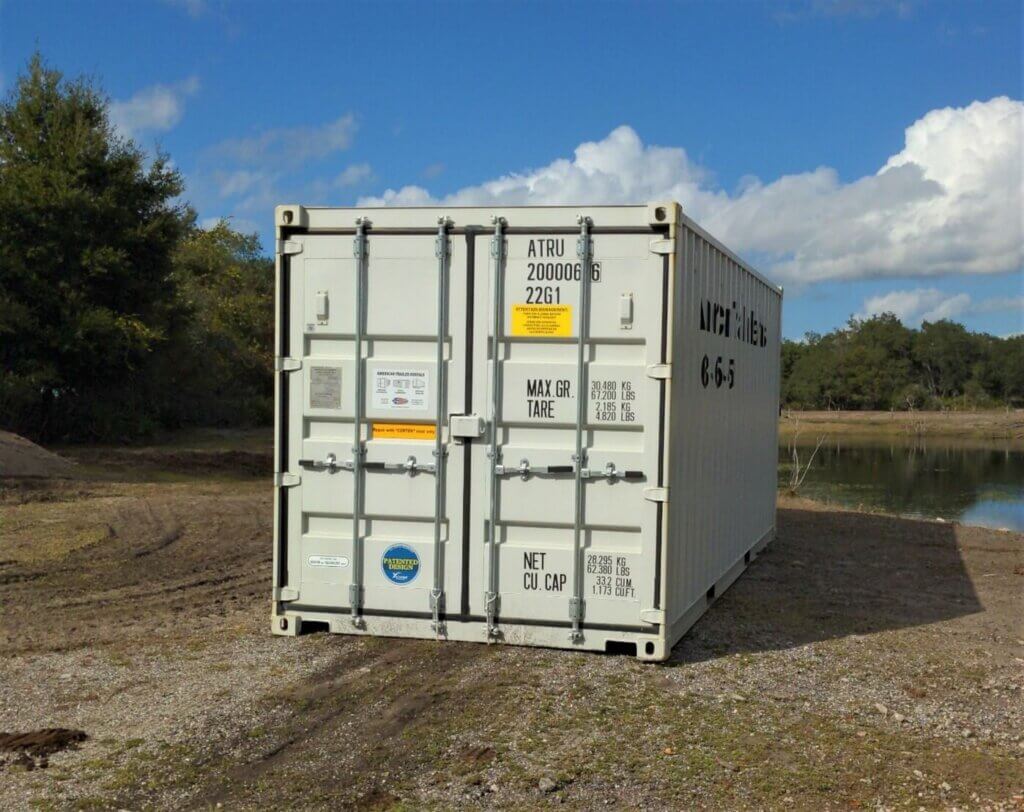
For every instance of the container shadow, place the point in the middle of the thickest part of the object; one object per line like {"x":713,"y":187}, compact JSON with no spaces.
{"x":831,"y":574}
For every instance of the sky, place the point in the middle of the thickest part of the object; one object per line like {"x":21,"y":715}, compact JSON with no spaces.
{"x":865,"y":154}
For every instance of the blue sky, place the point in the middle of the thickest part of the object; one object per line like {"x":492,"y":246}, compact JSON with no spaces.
{"x":771,"y":122}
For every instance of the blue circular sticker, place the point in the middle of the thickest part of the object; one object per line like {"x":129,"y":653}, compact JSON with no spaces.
{"x":400,"y":564}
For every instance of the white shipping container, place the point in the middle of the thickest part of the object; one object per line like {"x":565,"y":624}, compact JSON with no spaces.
{"x":423,"y":490}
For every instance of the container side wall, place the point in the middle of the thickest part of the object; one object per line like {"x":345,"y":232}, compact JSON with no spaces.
{"x":724,"y":410}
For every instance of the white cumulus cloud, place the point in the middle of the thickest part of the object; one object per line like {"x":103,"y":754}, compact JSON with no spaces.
{"x":929,"y":304}
{"x":153,"y":109}
{"x":949,"y":202}
{"x":915,"y":306}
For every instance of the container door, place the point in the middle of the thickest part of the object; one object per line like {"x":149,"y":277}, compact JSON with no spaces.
{"x":529,"y":496}
{"x":365,"y":534}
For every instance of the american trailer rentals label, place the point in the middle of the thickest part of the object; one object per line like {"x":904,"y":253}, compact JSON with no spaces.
{"x":401,"y":389}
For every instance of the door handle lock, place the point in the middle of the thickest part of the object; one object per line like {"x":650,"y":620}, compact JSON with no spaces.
{"x":329,"y":463}
{"x":611,"y":473}
{"x":411,"y":466}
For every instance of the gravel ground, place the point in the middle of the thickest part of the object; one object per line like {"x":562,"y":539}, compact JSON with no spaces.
{"x":863,"y":661}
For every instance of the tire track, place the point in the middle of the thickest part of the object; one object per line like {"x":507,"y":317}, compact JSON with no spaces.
{"x":413,"y":679}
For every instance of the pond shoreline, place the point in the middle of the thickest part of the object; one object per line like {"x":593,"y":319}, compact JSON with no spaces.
{"x":969,"y":480}
{"x":787,"y":500}
{"x":1002,"y":425}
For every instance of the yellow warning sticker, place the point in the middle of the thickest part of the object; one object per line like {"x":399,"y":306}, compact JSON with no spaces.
{"x":404,"y":431}
{"x":548,"y":320}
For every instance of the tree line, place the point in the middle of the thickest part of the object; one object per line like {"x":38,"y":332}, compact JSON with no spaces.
{"x":119,"y":315}
{"x":879,"y":363}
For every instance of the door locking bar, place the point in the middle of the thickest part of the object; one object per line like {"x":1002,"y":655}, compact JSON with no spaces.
{"x":355,"y":589}
{"x":524,"y":469}
{"x":411,"y":466}
{"x":493,"y":452}
{"x":442,"y":250}
{"x":584,"y":250}
{"x":330,"y":463}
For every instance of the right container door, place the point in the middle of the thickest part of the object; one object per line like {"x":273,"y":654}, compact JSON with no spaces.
{"x":535,"y":281}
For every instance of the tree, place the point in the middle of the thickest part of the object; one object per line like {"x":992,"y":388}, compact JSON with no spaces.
{"x":946,"y":353}
{"x":87,"y":235}
{"x":879,"y":363}
{"x":218,"y":365}
{"x":876,"y":362}
{"x":808,"y":374}
{"x":1013,"y":369}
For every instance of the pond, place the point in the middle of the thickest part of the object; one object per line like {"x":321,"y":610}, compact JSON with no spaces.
{"x":973,"y":482}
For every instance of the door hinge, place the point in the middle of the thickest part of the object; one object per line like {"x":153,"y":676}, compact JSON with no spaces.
{"x":286,"y":593}
{"x":656,"y":494}
{"x":662,"y":246}
{"x":661,"y":372}
{"x":289,"y":247}
{"x":576,"y":609}
{"x":286,"y":480}
{"x":656,"y":616}
{"x":287,"y":364}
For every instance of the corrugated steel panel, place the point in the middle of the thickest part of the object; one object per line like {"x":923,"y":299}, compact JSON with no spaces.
{"x":723,"y":419}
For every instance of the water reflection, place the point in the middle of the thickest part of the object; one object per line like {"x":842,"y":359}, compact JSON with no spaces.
{"x":971,"y":482}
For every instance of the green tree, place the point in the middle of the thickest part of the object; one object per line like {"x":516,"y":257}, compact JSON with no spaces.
{"x":87,"y":235}
{"x":1000,"y":372}
{"x":879,"y":363}
{"x":874,"y":362}
{"x":946,"y":353}
{"x":1013,"y":369}
{"x":808,"y":373}
{"x":791,"y":352}
{"x":217,"y":367}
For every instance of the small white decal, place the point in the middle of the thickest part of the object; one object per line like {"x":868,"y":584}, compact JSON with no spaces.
{"x":328,"y":561}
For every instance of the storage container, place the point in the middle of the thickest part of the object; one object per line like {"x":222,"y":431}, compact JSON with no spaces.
{"x":438,"y":473}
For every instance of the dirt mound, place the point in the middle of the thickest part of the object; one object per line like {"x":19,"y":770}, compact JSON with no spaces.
{"x":21,"y":457}
{"x":33,"y":749}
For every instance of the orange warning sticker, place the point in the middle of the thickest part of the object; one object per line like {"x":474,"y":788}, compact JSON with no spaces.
{"x":547,"y":320}
{"x":404,"y":431}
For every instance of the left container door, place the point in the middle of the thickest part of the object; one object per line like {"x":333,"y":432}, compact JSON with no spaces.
{"x":394,"y":521}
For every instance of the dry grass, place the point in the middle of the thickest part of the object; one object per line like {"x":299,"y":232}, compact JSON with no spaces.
{"x":1003,"y":425}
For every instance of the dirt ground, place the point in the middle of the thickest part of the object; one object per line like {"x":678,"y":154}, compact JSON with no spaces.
{"x":862,"y":661}
{"x":1005,"y":425}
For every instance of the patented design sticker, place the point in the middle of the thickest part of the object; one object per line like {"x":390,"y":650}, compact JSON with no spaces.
{"x":542,"y":320}
{"x":400,"y":564}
